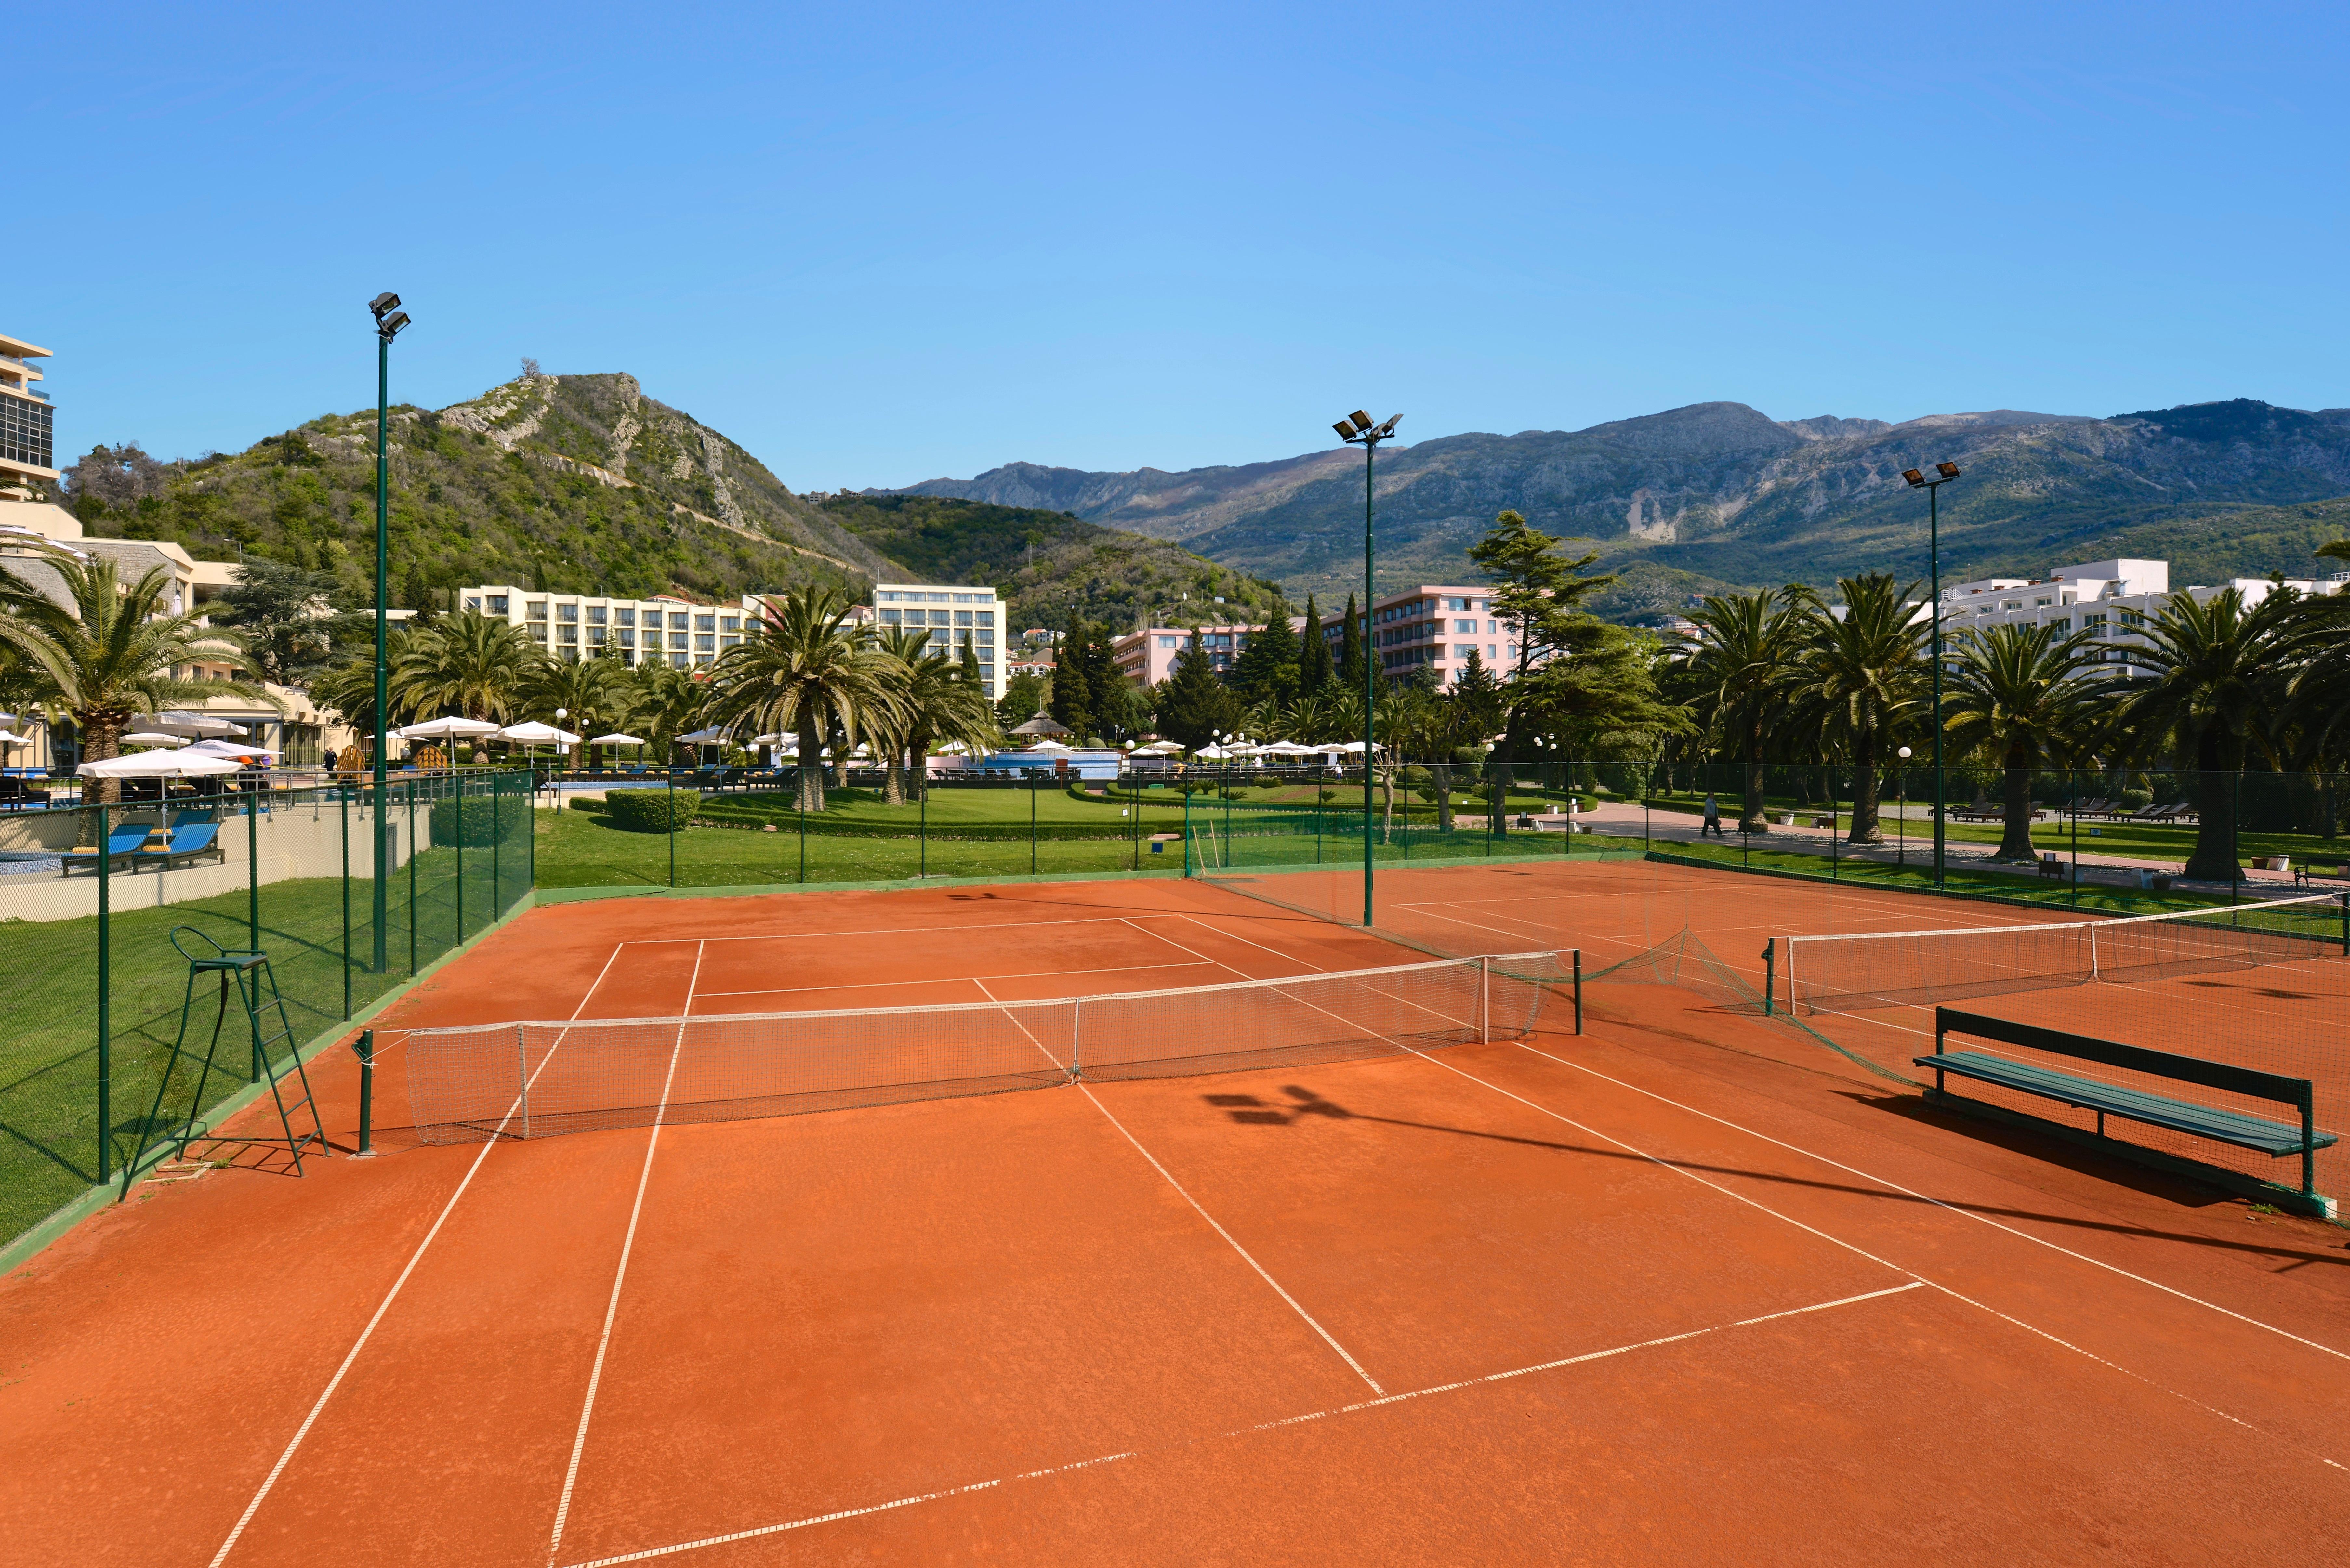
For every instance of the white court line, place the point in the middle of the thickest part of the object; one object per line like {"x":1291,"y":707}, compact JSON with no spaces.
{"x":621,"y":1275}
{"x":1203,"y":958}
{"x":1227,"y":1235}
{"x":1892,"y":1186}
{"x":969,"y":980}
{"x":958,"y":930}
{"x":414,"y":1257}
{"x":1854,"y":1248}
{"x":1236,"y":936}
{"x":1383,"y":1400}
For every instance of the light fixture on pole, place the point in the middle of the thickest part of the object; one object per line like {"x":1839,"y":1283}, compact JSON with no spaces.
{"x":1944,"y":473}
{"x":1901,"y":809}
{"x":1356,"y":429}
{"x":389,"y":320}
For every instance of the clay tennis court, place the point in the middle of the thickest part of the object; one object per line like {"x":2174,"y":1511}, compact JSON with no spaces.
{"x":1669,"y":1288}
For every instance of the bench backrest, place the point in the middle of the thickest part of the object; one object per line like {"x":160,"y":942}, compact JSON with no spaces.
{"x":2297,"y":1093}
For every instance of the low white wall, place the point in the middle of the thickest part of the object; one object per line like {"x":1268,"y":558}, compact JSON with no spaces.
{"x":295,"y":840}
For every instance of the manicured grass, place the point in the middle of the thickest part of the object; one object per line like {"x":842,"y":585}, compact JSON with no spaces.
{"x":48,"y":1002}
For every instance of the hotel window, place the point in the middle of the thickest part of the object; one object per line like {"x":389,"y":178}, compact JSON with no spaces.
{"x":534,"y":609}
{"x":987,"y":617}
{"x":677,"y":620}
{"x":568,"y":633}
{"x":595,"y":615}
{"x":705,"y":623}
{"x":628,"y":638}
{"x":963,"y":618}
{"x":627,"y":615}
{"x":1170,"y":642}
{"x":889,"y":617}
{"x":942,"y":618}
{"x":676,"y":644}
{"x":498,"y":603}
{"x":595,"y":637}
{"x":2094,"y":621}
{"x":705,"y":642}
{"x":472,"y":601}
{"x":2061,"y":623}
{"x":730,"y":623}
{"x":568,"y":613}
{"x":1466,"y":628}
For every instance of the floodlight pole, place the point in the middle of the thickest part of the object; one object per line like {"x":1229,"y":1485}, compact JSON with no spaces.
{"x":382,"y":682}
{"x":1934,"y":588}
{"x":1359,"y":430}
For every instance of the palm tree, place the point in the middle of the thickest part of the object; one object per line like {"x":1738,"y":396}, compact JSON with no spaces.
{"x":477,"y":664}
{"x":112,"y":651}
{"x":1861,"y":679}
{"x":592,"y":694}
{"x":938,"y":703}
{"x":346,"y":688}
{"x":668,"y":702}
{"x":808,"y":669}
{"x":1740,"y":662}
{"x":2220,"y":668}
{"x":2018,"y":693}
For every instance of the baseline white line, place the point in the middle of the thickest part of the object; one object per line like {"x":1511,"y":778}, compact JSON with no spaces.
{"x":1893,"y":1186}
{"x":1227,"y":1235}
{"x":414,"y":1257}
{"x":1384,"y":1399}
{"x":1027,"y":974}
{"x":888,"y":931}
{"x":621,"y":1275}
{"x":1236,"y":936}
{"x":1180,"y":948}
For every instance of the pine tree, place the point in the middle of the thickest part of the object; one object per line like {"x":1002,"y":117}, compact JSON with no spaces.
{"x":1350,"y":649}
{"x":1193,"y":704}
{"x":1478,"y":694}
{"x":1072,"y":690}
{"x":1105,"y":696}
{"x":1313,"y":672}
{"x":1266,"y":671}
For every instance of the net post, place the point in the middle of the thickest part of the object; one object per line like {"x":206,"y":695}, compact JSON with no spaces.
{"x":1077,"y":1040}
{"x":522,"y":1067}
{"x":1771,"y":978}
{"x":1485,"y":1001}
{"x":365,"y":1049}
{"x":2308,"y":1143}
{"x":1578,"y":990}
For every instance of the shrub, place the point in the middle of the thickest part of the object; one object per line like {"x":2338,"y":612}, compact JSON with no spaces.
{"x":652,"y":809}
{"x":2138,"y":799}
{"x":479,"y":819}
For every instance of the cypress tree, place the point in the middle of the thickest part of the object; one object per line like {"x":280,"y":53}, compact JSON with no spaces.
{"x":1266,"y":670}
{"x":1193,"y":704}
{"x":1072,"y":691}
{"x":1314,"y":672}
{"x":1350,"y":649}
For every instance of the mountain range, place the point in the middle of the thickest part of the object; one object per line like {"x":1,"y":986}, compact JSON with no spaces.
{"x":1720,"y":495}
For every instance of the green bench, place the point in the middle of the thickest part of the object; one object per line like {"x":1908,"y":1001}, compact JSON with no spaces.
{"x":2240,"y":1130}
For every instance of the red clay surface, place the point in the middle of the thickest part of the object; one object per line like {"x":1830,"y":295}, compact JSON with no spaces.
{"x":1672,"y":1289}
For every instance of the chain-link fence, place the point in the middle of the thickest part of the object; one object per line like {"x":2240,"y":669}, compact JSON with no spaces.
{"x":92,"y":990}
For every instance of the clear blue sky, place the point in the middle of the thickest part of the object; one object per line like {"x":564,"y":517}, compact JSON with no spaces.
{"x":878,"y":245}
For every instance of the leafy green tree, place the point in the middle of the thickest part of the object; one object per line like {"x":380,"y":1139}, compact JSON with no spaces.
{"x":2019,"y":693}
{"x":594,"y":695}
{"x":1023,"y":695}
{"x":1538,"y":589}
{"x":1193,"y":703}
{"x":806,"y":668}
{"x":111,"y":652}
{"x":286,"y":620}
{"x":2221,"y":667}
{"x":1313,"y":670}
{"x":1740,"y":662}
{"x":1863,"y":676}
{"x":479,"y":665}
{"x":668,"y":702}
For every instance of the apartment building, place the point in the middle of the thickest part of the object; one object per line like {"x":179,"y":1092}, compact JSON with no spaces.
{"x":1147,"y":657}
{"x":954,"y":613}
{"x":27,"y":423}
{"x":2112,"y":600}
{"x":640,"y":631}
{"x":1433,"y":627}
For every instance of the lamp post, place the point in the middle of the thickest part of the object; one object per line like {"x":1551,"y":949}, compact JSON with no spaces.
{"x":1945,"y":473}
{"x":1356,"y":429}
{"x":1901,"y":810}
{"x":388,"y":319}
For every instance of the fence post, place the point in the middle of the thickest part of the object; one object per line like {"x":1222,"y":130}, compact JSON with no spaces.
{"x":497,"y":832}
{"x":460,"y":819}
{"x":253,"y":868}
{"x":671,"y":785}
{"x":1578,"y":990}
{"x":412,"y":877}
{"x":343,"y":803}
{"x":922,"y":833}
{"x":365,"y":1047}
{"x":105,"y":995}
{"x":1185,"y":785}
{"x":799,"y":803}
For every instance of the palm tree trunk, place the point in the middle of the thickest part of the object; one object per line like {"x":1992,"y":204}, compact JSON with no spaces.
{"x":1865,"y":828}
{"x":2214,"y":859}
{"x":2015,"y":838}
{"x":893,"y":779}
{"x":101,"y":737}
{"x":811,"y":768}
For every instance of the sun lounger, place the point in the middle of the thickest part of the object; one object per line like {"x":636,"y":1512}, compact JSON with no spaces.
{"x":188,"y":841}
{"x":121,"y":842}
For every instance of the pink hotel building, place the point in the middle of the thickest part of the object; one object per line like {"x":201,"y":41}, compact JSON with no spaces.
{"x":1432,"y":626}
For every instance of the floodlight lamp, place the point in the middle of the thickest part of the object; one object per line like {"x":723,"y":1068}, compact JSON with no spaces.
{"x":1346,"y":429}
{"x":1946,"y":470}
{"x":391,"y":324}
{"x":1362,"y":419}
{"x":1913,"y":476}
{"x":384,"y":305}
{"x":1389,"y":429}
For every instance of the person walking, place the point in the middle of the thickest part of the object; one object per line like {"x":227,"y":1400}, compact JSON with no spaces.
{"x":1712,"y":818}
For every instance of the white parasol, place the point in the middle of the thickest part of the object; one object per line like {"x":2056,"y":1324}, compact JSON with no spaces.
{"x":154,"y":738}
{"x":160,"y":765}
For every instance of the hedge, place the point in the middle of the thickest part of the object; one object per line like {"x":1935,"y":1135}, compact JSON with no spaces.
{"x":479,"y":819}
{"x":652,"y":809}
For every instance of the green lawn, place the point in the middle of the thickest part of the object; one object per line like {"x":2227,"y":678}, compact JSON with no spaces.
{"x":48,"y":990}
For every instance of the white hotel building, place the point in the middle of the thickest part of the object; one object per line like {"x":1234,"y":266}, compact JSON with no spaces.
{"x":2112,"y":600}
{"x":689,"y":636}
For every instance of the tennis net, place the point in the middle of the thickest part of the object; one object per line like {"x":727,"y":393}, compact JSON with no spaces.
{"x":1903,"y":969}
{"x":532,"y":1079}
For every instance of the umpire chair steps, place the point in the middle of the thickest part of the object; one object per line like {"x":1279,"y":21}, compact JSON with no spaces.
{"x":249,"y":972}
